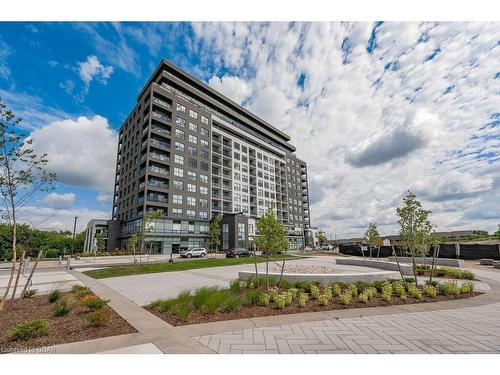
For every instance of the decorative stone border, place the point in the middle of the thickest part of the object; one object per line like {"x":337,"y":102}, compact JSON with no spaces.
{"x":380,"y":264}
{"x":427,"y":260}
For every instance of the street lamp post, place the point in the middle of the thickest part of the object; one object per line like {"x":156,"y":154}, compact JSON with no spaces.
{"x":74,"y":233}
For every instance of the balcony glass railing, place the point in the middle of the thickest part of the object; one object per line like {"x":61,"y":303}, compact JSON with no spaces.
{"x":160,"y":129}
{"x":157,"y":142}
{"x":162,"y":117}
{"x":162,"y":171}
{"x":158,"y":184}
{"x":154,"y":155}
{"x":162,"y":103}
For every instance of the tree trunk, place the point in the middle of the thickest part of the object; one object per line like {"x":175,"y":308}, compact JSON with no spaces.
{"x":31,"y":274}
{"x":414,"y":265}
{"x":283,"y":266}
{"x":255,"y":263}
{"x":267,"y":270}
{"x":378,"y":251}
{"x":434,"y":256}
{"x":21,"y":263}
{"x":362,"y":252}
{"x":397,"y":262}
{"x":14,"y":254}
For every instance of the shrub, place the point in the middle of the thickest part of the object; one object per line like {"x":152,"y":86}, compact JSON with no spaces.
{"x":345,"y":298}
{"x":29,"y":330}
{"x":294,"y":292}
{"x":288,"y":298}
{"x":430,"y":291}
{"x":440,"y":272}
{"x":163,"y":305}
{"x":202,"y":295}
{"x":80,"y":290}
{"x":328,"y":293}
{"x":280,"y":302}
{"x":51,"y":253}
{"x":232,"y":304}
{"x":360,"y":286}
{"x":379,"y":284}
{"x":314,"y":291}
{"x":182,"y":311}
{"x":386,"y":297}
{"x":216,"y":300}
{"x":363,"y":297}
{"x":323,"y":300}
{"x":235,"y":286}
{"x":98,"y":318}
{"x":336,"y":290}
{"x":54,"y":295}
{"x":61,"y":307}
{"x":303,"y":298}
{"x":264,"y":299}
{"x":93,"y":302}
{"x":354,"y":291}
{"x":252,"y":297}
{"x":371,"y":292}
{"x":399,"y":288}
{"x":467,"y":287}
{"x":449,"y":287}
{"x":30,"y":293}
{"x":273,"y":294}
{"x":387,"y":288}
{"x":415,"y":293}
{"x":468,"y":275}
{"x":409,"y":280}
{"x":433,"y":283}
{"x":284,"y":284}
{"x":304,"y":285}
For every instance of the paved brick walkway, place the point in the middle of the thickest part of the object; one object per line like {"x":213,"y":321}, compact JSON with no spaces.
{"x":464,"y":330}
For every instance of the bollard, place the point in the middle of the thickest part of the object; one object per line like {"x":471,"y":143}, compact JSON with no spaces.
{"x":68,"y":263}
{"x":26,"y":265}
{"x":60,"y":260}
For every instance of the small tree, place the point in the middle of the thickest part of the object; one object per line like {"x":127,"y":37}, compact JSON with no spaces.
{"x":271,"y":237}
{"x":434,"y":244}
{"x":321,"y":238}
{"x":22,"y":174}
{"x":147,"y":227}
{"x":372,"y":238}
{"x":101,"y":239}
{"x":215,"y":233}
{"x":132,"y":243}
{"x":416,"y":228}
{"x":497,"y":233}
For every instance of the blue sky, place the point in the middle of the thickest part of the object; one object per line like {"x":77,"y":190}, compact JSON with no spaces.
{"x":374,"y":108}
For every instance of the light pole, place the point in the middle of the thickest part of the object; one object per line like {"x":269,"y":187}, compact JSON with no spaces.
{"x":74,"y":232}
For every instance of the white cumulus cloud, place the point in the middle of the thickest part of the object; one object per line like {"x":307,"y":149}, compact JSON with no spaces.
{"x":59,"y":201}
{"x":91,"y":69}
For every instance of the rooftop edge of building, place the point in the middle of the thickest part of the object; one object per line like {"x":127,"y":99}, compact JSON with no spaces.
{"x":215,"y":95}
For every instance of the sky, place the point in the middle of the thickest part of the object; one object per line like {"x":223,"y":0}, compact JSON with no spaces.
{"x":374,"y":108}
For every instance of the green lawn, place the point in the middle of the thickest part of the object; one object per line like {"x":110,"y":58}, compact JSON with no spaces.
{"x":114,"y":271}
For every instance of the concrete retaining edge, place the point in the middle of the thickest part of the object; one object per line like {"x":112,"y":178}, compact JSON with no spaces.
{"x":380,"y":264}
{"x":427,"y":260}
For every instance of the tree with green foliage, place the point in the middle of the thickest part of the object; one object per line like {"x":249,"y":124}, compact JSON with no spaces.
{"x":321,"y":238}
{"x":101,"y":239}
{"x":497,"y":233}
{"x":372,"y":238}
{"x":132,"y":243}
{"x":416,"y":228}
{"x":22,"y":174}
{"x":215,"y":233}
{"x":271,"y":237}
{"x":147,"y":227}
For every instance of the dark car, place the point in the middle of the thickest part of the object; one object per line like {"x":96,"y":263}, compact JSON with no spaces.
{"x":237,"y":252}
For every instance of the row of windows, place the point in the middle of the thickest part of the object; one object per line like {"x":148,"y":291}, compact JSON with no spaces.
{"x":179,"y":185}
{"x":192,"y":114}
{"x":191,"y":201}
{"x":190,"y":214}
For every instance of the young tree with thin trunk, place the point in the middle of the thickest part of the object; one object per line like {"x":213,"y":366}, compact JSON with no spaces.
{"x":372,"y":237}
{"x":434,"y":244}
{"x":132,"y":243}
{"x":416,"y":228}
{"x":146,"y":228}
{"x":28,"y":282}
{"x":22,"y":174}
{"x":215,"y":233}
{"x":271,"y":237}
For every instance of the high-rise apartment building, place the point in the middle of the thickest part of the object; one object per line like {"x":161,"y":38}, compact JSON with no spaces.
{"x":191,"y":153}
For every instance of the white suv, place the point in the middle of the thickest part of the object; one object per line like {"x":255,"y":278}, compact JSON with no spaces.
{"x":194,"y":252}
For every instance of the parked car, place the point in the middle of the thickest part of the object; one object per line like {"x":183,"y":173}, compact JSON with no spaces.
{"x":194,"y":252}
{"x":237,"y":252}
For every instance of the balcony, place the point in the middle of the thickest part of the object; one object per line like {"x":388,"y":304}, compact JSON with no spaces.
{"x":157,"y":170}
{"x":157,"y":184}
{"x":162,"y":103}
{"x":161,"y":117}
{"x":157,"y":198}
{"x":160,"y":157}
{"x":160,"y":129}
{"x":157,"y":142}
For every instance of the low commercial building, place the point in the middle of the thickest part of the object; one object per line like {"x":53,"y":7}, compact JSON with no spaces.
{"x":94,"y":227}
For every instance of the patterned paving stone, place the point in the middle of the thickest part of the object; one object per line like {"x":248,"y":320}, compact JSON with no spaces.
{"x":464,"y":330}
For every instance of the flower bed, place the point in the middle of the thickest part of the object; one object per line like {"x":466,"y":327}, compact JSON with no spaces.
{"x":244,"y":300}
{"x":58,"y":318}
{"x":446,"y":272}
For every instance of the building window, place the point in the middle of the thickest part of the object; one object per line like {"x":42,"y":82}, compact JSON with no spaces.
{"x":178,"y":185}
{"x":237,"y":197}
{"x":203,"y":190}
{"x":179,"y":121}
{"x":193,"y":139}
{"x":179,"y":159}
{"x":179,"y":172}
{"x":193,"y":127}
{"x":203,"y":215}
{"x":236,"y":155}
{"x":177,"y":199}
{"x":191,"y":201}
{"x":179,"y":146}
{"x":237,"y":165}
{"x":177,"y":213}
{"x":203,"y":203}
{"x":236,"y":146}
{"x":191,"y":214}
{"x":193,"y":163}
{"x":204,"y":166}
{"x":191,"y":175}
{"x":204,"y":132}
{"x":242,"y":235}
{"x":180,"y":108}
{"x":225,"y":236}
{"x":191,"y":188}
{"x":204,"y":154}
{"x":193,"y":114}
{"x":204,"y":143}
{"x":204,"y":119}
{"x":179,"y":133}
{"x":193,"y":151}
{"x":204,"y":178}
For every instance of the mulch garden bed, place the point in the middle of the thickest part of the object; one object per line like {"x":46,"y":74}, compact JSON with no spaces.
{"x":62,"y":330}
{"x":254,"y":311}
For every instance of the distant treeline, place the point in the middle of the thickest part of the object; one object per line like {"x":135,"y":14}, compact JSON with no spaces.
{"x":33,"y":240}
